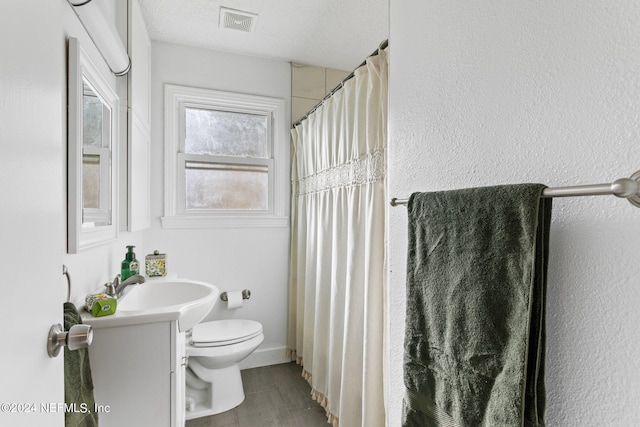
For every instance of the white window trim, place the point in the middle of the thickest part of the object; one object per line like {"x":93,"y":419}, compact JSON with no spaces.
{"x":174,"y":217}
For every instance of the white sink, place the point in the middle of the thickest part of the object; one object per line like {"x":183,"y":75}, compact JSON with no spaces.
{"x":187,"y":301}
{"x":193,"y":300}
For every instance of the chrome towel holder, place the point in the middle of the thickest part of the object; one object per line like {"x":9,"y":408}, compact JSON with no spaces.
{"x":65,"y":272}
{"x":628,"y":188}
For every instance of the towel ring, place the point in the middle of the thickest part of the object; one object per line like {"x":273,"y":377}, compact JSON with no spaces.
{"x":65,"y":272}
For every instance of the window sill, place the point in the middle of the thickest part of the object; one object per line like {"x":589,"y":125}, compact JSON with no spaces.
{"x":224,"y":221}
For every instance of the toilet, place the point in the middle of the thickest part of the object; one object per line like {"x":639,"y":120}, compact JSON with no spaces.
{"x":214,"y":350}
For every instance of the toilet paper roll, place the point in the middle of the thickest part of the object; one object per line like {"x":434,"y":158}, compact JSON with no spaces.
{"x":234,"y":299}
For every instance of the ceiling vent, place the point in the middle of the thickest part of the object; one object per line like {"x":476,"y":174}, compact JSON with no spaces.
{"x":237,"y":20}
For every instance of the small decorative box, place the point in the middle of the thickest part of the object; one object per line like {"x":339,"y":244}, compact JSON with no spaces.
{"x":155,"y":264}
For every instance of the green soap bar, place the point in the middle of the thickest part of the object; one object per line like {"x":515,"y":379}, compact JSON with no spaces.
{"x":104,"y":307}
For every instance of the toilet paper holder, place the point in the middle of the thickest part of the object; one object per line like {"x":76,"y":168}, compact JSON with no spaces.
{"x":246,"y":294}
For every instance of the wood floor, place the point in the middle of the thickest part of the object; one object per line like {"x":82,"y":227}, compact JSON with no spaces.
{"x":275,"y":396}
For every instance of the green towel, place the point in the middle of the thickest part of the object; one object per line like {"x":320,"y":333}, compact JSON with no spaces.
{"x":78,"y":384}
{"x":476,"y":284}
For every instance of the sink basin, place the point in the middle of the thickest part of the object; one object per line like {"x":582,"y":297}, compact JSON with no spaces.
{"x":188,"y":300}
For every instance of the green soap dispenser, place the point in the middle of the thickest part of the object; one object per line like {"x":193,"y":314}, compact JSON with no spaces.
{"x":130,"y":266}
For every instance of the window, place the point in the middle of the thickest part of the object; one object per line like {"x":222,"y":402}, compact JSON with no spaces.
{"x":224,"y":159}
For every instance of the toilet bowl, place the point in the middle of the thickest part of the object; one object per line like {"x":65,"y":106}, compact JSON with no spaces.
{"x":214,"y":349}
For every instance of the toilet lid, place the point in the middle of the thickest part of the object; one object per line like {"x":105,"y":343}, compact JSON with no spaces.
{"x":224,"y":332}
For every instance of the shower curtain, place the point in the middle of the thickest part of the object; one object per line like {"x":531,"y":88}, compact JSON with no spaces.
{"x":337,"y":277}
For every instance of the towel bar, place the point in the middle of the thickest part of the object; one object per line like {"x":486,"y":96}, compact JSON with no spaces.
{"x":628,"y":188}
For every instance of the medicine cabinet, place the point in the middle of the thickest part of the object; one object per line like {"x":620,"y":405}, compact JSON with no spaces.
{"x":93,"y":112}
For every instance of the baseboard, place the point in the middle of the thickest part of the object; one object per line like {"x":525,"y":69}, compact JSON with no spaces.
{"x":265,"y":357}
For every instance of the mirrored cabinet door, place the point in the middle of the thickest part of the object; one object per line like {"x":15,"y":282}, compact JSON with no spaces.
{"x":92,"y":171}
{"x":139,"y":122}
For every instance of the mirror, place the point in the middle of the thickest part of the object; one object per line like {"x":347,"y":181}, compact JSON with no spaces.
{"x":91,"y":169}
{"x":96,"y":144}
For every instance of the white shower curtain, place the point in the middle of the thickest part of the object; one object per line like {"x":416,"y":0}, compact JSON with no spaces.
{"x":337,"y":277}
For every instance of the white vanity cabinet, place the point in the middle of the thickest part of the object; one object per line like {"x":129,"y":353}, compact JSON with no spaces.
{"x":139,"y":374}
{"x":138,"y":357}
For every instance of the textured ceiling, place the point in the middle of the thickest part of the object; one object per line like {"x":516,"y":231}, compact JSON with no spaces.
{"x":336,"y":34}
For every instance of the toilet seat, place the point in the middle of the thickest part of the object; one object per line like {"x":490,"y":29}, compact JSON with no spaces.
{"x":224,"y":332}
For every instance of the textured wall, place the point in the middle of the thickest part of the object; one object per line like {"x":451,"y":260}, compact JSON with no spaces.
{"x":490,"y":92}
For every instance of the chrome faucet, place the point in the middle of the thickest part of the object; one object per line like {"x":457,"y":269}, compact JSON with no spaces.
{"x":116,"y":288}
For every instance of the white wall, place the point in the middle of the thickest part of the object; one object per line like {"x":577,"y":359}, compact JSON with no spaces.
{"x":93,"y":267}
{"x":251,"y":258}
{"x":491,"y":92}
{"x":233,"y":259}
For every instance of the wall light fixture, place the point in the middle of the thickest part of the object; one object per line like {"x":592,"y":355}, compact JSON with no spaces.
{"x":101,"y":29}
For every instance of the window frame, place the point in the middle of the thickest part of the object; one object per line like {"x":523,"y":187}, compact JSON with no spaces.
{"x":177,"y":99}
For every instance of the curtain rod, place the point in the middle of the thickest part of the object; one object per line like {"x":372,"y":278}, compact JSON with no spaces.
{"x":628,"y":188}
{"x":382,"y":46}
